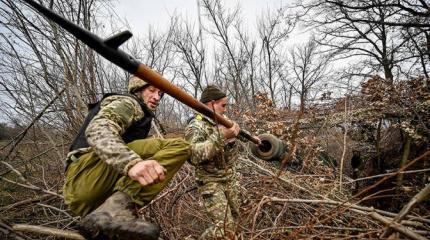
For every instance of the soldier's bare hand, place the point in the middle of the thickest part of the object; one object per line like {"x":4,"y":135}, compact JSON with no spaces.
{"x":147,"y":172}
{"x":259,"y":140}
{"x":230,"y":132}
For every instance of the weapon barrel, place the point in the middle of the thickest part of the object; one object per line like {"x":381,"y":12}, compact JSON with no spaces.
{"x":109,"y":50}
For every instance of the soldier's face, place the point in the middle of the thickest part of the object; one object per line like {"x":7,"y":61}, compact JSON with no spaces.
{"x":151,"y":96}
{"x":220,"y":105}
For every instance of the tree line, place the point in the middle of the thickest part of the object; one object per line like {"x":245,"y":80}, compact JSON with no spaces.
{"x":348,"y":43}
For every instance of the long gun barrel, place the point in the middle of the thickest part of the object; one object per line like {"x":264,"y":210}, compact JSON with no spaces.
{"x":108,"y":48}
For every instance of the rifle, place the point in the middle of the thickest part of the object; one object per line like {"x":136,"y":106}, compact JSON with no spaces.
{"x":108,"y":48}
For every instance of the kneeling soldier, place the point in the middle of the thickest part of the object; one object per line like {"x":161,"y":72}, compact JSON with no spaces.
{"x":112,"y":168}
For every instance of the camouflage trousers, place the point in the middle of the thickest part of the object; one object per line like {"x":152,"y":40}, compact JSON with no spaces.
{"x":222,"y":202}
{"x":89,"y":181}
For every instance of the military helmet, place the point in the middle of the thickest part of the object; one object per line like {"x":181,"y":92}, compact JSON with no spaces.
{"x":135,"y":84}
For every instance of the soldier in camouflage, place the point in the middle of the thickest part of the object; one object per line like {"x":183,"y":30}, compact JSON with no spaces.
{"x":214,"y":155}
{"x":112,"y":167}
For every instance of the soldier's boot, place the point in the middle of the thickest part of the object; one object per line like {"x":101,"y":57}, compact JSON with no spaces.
{"x":116,"y":219}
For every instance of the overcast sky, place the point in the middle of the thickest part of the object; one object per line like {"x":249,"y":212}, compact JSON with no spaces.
{"x":142,"y":13}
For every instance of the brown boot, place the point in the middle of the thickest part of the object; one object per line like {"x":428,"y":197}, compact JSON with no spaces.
{"x":116,"y":219}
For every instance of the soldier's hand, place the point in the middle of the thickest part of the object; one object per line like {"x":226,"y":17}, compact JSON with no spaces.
{"x":147,"y":172}
{"x":259,"y":140}
{"x":230,"y":132}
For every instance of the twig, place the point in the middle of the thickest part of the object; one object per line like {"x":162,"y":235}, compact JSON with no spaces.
{"x":326,"y":199}
{"x":363,"y":230}
{"x":154,"y":126}
{"x":18,"y":138}
{"x":9,"y":231}
{"x":38,"y":155}
{"x":419,"y":197}
{"x":22,"y":178}
{"x":32,"y":187}
{"x":56,"y":209}
{"x":345,"y":135}
{"x":403,"y":161}
{"x":281,"y":178}
{"x":352,"y":207}
{"x":11,"y":168}
{"x":165,"y":194}
{"x":410,"y":163}
{"x":24,"y":202}
{"x":48,"y":231}
{"x":263,"y":200}
{"x":398,"y":227}
{"x":388,"y":174}
{"x":293,"y":140}
{"x":422,"y":157}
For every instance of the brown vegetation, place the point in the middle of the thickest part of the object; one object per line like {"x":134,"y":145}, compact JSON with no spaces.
{"x":358,"y":144}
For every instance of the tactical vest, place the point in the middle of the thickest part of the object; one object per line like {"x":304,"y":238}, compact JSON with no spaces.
{"x":138,"y":130}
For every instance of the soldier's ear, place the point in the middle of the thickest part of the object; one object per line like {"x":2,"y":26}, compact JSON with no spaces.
{"x":211,"y":104}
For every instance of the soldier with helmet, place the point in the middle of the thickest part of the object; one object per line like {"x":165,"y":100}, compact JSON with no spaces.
{"x":112,"y":168}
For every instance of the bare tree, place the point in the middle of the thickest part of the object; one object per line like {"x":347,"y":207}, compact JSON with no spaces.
{"x":309,"y":67}
{"x":362,"y":30}
{"x":248,"y":48}
{"x":47,"y":78}
{"x":158,"y":49}
{"x":409,"y":13}
{"x":418,"y":47}
{"x":223,"y":22}
{"x":42,"y":58}
{"x":274,"y":28}
{"x":188,"y":45}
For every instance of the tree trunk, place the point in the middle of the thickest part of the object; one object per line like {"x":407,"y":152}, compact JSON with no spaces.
{"x":403,"y":161}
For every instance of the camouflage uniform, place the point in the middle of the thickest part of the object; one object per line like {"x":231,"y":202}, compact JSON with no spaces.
{"x":215,"y":170}
{"x":95,"y":173}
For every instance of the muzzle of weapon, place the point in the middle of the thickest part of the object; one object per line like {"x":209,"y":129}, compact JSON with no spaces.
{"x":271,"y":148}
{"x":108,"y":48}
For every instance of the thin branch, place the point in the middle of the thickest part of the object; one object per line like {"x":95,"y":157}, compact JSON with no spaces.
{"x":389,"y":174}
{"x":48,"y":231}
{"x":423,"y":195}
{"x":398,"y":227}
{"x":25,"y":202}
{"x":17,"y":139}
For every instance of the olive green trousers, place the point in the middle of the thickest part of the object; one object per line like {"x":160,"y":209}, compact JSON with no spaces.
{"x":89,"y":181}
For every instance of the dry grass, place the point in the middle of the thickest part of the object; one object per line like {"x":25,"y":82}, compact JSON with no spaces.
{"x":297,"y":205}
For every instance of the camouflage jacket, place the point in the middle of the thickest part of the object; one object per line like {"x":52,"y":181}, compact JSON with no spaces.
{"x":213,"y":158}
{"x":117,"y":113}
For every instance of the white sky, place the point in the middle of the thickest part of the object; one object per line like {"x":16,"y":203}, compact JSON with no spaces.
{"x":143,"y":13}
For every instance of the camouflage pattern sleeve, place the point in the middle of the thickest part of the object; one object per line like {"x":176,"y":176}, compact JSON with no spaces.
{"x":205,"y":144}
{"x":116,"y":114}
